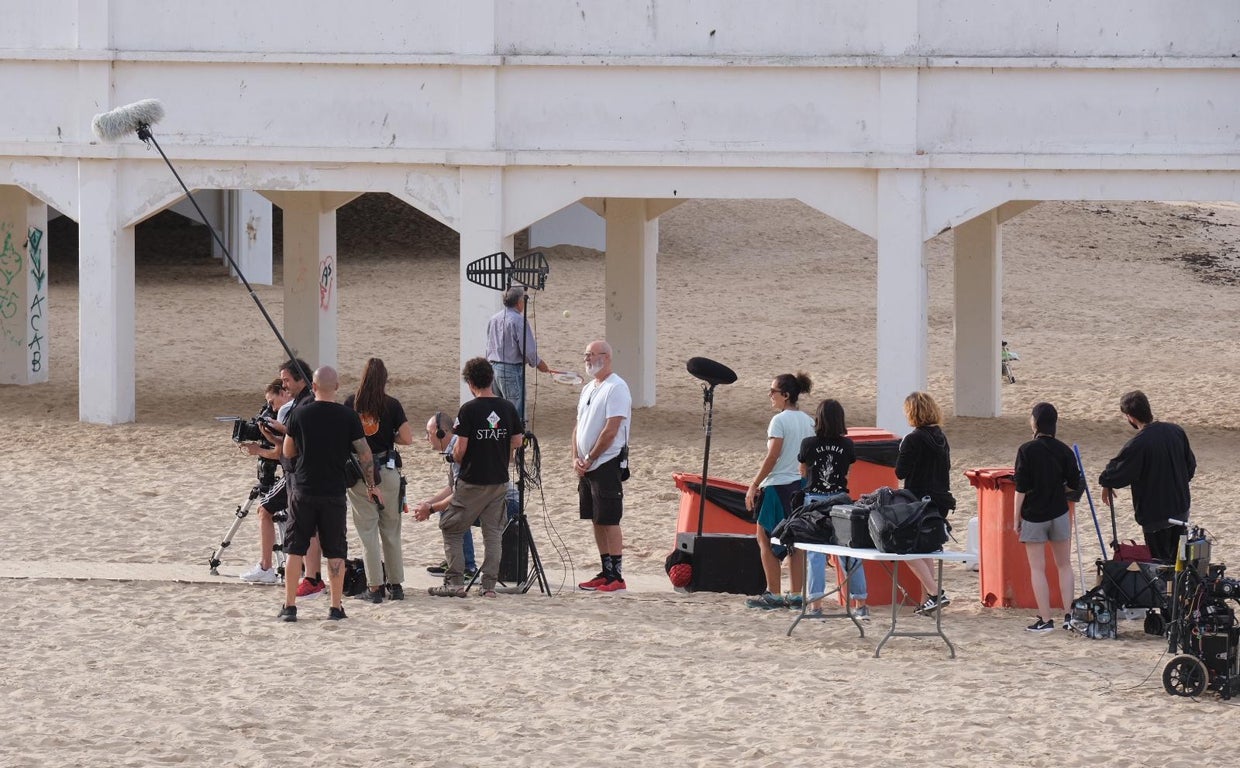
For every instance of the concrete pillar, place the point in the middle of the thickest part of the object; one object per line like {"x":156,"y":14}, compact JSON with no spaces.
{"x":482,"y":207}
{"x":979,"y":315}
{"x":902,"y":295}
{"x":248,"y":234}
{"x":24,"y":329}
{"x":632,"y":253}
{"x":106,"y":325}
{"x":311,"y":273}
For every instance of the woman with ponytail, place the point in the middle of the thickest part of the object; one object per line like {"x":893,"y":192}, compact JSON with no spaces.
{"x":770,"y":494}
{"x":385,"y":425}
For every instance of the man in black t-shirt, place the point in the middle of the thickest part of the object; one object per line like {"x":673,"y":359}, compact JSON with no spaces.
{"x":1158,"y":463}
{"x":321,"y":435}
{"x":488,"y":432}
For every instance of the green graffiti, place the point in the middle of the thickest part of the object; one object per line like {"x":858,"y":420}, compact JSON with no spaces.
{"x":35,"y":246}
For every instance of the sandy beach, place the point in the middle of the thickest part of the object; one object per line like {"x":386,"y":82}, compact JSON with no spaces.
{"x":121,"y":650}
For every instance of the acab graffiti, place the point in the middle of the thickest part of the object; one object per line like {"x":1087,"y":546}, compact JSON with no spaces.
{"x":34,"y":244}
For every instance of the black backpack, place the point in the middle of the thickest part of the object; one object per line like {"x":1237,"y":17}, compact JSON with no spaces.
{"x":809,"y":523}
{"x":354,"y":577}
{"x":903,"y":524}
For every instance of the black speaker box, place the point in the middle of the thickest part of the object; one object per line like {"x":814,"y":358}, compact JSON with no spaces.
{"x":724,"y":563}
{"x":514,"y":562}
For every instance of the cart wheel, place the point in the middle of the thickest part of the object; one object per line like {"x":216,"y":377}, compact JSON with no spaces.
{"x":1185,"y":676}
{"x":1154,"y":624}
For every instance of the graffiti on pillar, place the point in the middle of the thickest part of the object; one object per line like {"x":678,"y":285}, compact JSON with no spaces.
{"x":10,"y":301}
{"x":34,"y":243}
{"x":327,"y":280}
{"x":10,"y":257}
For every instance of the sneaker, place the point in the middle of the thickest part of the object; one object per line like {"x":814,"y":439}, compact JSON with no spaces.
{"x":395,"y":592}
{"x":814,"y":613}
{"x":766,"y":601}
{"x":1067,"y":621}
{"x":309,"y":588}
{"x":593,"y":583}
{"x":862,"y":612}
{"x":469,"y":572}
{"x":1041,"y":626}
{"x":287,"y":613}
{"x":370,"y":595}
{"x":336,"y":614}
{"x":932,"y":604}
{"x":259,"y":575}
{"x":794,"y":601}
{"x":438,"y":570}
{"x":612,"y":586}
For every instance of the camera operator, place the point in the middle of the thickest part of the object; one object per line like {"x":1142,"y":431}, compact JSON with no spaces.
{"x":322,"y":435}
{"x":275,"y":497}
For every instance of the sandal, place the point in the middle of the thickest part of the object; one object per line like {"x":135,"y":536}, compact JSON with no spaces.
{"x":488,"y":593}
{"x":446,"y":591}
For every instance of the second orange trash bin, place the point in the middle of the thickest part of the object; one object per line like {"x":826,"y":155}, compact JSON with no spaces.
{"x":1003,"y":564}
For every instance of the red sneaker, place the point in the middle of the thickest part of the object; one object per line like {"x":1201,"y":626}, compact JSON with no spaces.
{"x":615,"y":585}
{"x":593,"y":583}
{"x":308,"y":588}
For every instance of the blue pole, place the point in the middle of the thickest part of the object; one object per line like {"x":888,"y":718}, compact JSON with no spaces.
{"x":1102,"y":547}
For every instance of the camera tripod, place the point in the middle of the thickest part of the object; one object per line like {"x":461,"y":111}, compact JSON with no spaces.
{"x":243,"y":510}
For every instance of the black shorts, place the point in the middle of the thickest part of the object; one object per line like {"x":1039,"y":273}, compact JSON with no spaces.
{"x":276,"y":499}
{"x":323,"y":516}
{"x":600,"y":494}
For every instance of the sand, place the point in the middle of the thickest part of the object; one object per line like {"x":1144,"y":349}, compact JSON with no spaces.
{"x":120,"y":649}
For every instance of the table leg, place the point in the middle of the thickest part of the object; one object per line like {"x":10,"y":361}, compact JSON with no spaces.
{"x":841,"y":587}
{"x":938,"y":614}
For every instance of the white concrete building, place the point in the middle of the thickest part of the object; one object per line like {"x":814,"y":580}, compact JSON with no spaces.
{"x":899,"y":118}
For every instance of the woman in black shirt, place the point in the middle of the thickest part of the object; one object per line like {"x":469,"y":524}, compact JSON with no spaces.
{"x":924,"y":464}
{"x":1045,"y":467}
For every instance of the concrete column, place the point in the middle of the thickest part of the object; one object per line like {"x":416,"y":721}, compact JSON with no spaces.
{"x":632,"y":252}
{"x":24,"y":331}
{"x":902,"y":295}
{"x":248,"y":234}
{"x":106,"y":325}
{"x":979,"y":315}
{"x":482,"y":207}
{"x":311,"y":273}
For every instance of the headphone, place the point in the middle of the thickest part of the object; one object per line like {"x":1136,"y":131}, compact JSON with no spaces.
{"x":439,"y":433}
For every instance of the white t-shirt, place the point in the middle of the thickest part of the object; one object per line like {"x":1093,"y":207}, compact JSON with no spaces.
{"x":793,"y":426}
{"x":599,"y":402}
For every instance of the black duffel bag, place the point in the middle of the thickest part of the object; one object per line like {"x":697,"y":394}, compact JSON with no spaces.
{"x":906,"y":525}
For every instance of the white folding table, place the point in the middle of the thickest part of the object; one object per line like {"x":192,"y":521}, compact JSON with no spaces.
{"x":895,"y":560}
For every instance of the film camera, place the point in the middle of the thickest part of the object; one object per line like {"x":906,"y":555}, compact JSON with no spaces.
{"x":247,"y":431}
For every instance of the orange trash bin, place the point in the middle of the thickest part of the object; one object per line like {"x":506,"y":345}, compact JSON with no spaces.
{"x":1002,"y":563}
{"x":724,"y":510}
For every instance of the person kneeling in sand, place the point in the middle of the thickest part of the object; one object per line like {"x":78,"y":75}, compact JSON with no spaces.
{"x":488,"y":433}
{"x":442,"y":442}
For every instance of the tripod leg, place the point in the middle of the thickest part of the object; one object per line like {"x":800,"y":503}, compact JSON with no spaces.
{"x":280,"y":519}
{"x":536,"y":567}
{"x":242,"y":511}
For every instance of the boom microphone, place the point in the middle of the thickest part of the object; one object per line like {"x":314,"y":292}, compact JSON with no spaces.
{"x":138,"y":118}
{"x":131,"y":118}
{"x":709,"y":371}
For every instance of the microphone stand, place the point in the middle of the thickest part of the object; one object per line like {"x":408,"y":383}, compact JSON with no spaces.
{"x":708,"y":404}
{"x":148,"y":138}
